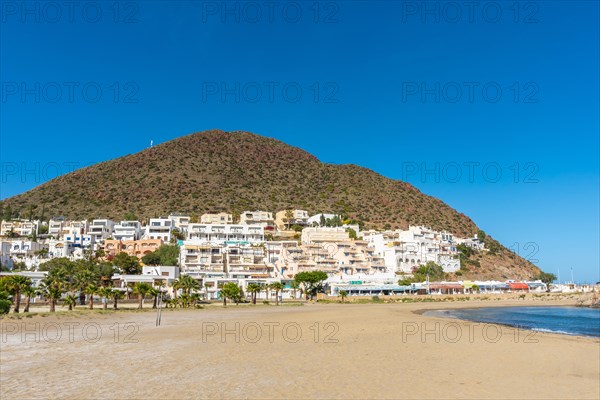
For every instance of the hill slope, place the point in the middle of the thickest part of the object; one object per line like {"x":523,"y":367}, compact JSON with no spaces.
{"x":235,"y":171}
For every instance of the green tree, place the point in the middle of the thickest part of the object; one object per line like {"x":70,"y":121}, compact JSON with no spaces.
{"x":295,"y":286}
{"x":351,"y":233}
{"x":5,"y":303}
{"x":547,"y":278}
{"x":70,"y":301}
{"x":232,"y":291}
{"x":115,"y":295}
{"x":277,"y":287}
{"x":16,"y":285}
{"x":91,"y":289}
{"x":165,"y":255}
{"x":54,"y":286}
{"x":29,"y":292}
{"x":431,"y":269}
{"x":105,"y":293}
{"x":130,"y":216}
{"x":176,"y":235}
{"x":343,"y":294}
{"x":129,"y":265}
{"x":312,"y":282}
{"x":141,"y":289}
{"x":254,"y":289}
{"x":154,"y":292}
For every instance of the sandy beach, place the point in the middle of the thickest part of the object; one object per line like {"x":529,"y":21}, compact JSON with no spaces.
{"x":325,"y":351}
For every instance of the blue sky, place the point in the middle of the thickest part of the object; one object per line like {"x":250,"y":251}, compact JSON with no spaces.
{"x":403,"y":88}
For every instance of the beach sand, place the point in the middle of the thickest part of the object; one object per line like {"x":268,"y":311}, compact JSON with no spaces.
{"x":324,"y":351}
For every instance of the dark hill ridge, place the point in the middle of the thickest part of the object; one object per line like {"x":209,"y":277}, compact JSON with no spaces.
{"x":236,"y":171}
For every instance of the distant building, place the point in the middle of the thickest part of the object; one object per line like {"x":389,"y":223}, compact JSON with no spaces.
{"x":217,"y":218}
{"x":180,"y":221}
{"x":319,"y":234}
{"x":159,"y":228}
{"x":261,"y":218}
{"x":128,"y":230}
{"x":138,"y":248}
{"x":286,"y":218}
{"x":220,"y":233}
{"x":19,"y":227}
{"x":101,"y":229}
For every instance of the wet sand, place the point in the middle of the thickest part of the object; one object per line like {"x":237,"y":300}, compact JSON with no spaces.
{"x":325,"y":351}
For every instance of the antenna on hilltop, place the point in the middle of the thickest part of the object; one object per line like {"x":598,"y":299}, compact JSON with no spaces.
{"x":151,"y":143}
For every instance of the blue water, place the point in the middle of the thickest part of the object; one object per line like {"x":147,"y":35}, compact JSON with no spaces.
{"x":580,"y":321}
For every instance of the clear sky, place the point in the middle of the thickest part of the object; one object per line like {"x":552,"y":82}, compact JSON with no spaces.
{"x":493,"y":107}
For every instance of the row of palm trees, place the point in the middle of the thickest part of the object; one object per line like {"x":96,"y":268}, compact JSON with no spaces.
{"x":58,"y":286}
{"x":255,"y":288}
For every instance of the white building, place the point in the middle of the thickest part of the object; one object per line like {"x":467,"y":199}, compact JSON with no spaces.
{"x":128,"y":230}
{"x":261,"y":218}
{"x":159,"y":228}
{"x":101,"y":229}
{"x":320,"y":234}
{"x":180,"y":222}
{"x":56,"y":226}
{"x":19,"y":227}
{"x":287,"y":218}
{"x":221,"y":233}
{"x":405,"y":251}
{"x":24,"y":248}
{"x":217,"y":218}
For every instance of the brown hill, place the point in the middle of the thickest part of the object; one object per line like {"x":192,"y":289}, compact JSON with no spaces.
{"x":235,"y":171}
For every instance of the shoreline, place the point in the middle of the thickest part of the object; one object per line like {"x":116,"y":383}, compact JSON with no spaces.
{"x":454,"y":318}
{"x":356,"y":351}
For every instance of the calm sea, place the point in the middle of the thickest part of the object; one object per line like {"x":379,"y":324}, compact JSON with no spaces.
{"x":566,"y":320}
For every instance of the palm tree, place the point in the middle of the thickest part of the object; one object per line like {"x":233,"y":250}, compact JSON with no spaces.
{"x":81,"y":281}
{"x":116,"y":295}
{"x":106,"y":293}
{"x":53,"y":286}
{"x":254,"y":289}
{"x":343,"y":294}
{"x":154,"y":293}
{"x":17,"y":284}
{"x":188,"y":284}
{"x":71,"y":301}
{"x":29,"y":291}
{"x":295,"y":286}
{"x":142,"y":289}
{"x":277,"y":287}
{"x":91,"y":289}
{"x":177,"y":284}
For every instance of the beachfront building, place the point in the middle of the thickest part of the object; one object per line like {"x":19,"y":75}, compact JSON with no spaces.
{"x":285,"y":219}
{"x":221,"y":233}
{"x":101,"y":229}
{"x":159,"y":228}
{"x":128,"y":230}
{"x":138,"y":248}
{"x":203,"y":260}
{"x":216,"y":218}
{"x":260,"y":218}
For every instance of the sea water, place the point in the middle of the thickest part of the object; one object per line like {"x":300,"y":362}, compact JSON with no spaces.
{"x":581,"y":321}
